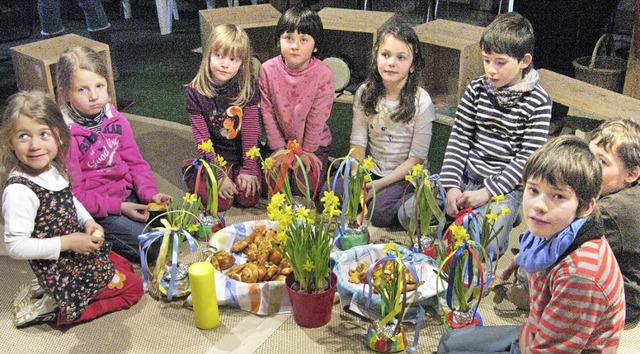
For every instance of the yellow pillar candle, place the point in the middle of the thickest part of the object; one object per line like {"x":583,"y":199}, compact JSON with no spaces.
{"x":203,"y":295}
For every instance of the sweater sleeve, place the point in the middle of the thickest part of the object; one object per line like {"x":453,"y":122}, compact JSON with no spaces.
{"x":535,"y":135}
{"x":422,"y":130}
{"x":250,"y":136}
{"x":320,"y":110}
{"x":19,"y":205}
{"x":275,"y":138}
{"x":359,"y":129}
{"x":143,"y":181}
{"x":457,"y":151}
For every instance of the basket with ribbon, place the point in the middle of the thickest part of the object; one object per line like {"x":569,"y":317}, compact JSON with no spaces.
{"x":389,"y":278}
{"x":169,"y":277}
{"x":353,"y":175}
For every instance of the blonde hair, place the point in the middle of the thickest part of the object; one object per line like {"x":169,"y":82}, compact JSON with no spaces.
{"x":230,"y":39}
{"x":40,"y":107}
{"x":620,"y":137}
{"x":71,"y":60}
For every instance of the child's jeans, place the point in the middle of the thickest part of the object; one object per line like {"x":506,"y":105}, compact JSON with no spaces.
{"x":480,"y":340}
{"x":51,"y":19}
{"x":511,"y":200}
{"x":123,"y":233}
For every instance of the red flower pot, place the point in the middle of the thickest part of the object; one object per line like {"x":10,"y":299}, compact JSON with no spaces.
{"x":311,"y":310}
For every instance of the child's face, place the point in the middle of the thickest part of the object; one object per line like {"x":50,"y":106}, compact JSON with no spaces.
{"x":395,"y":61}
{"x":615,"y":176}
{"x":297,"y":49}
{"x":224,"y":67}
{"x":89,"y":92}
{"x":503,"y":70}
{"x":548,"y":209}
{"x":34,"y":143}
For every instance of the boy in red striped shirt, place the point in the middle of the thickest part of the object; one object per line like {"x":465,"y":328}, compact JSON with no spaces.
{"x":576,"y":289}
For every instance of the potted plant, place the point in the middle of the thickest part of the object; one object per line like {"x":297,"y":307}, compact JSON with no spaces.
{"x":388,"y":278}
{"x":422,"y":232}
{"x":213,"y":169}
{"x":353,"y":231}
{"x":290,"y":164}
{"x":178,"y":223}
{"x":306,"y":240}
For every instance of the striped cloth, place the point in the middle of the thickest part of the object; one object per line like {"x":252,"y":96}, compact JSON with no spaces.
{"x":577,"y":305}
{"x":495,"y":142}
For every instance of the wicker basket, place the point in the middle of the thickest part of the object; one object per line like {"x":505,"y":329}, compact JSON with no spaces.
{"x":604,"y":71}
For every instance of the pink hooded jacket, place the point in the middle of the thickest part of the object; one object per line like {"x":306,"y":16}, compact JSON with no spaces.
{"x":105,"y":167}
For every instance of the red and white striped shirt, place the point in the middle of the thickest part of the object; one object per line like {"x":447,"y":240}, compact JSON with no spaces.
{"x":577,"y":305}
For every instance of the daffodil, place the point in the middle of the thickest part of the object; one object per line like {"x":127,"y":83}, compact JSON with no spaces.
{"x":190,"y":198}
{"x":206,"y":146}
{"x":267,"y":164}
{"x":221,"y":161}
{"x":330,"y":200}
{"x":308,"y":266}
{"x":253,"y":153}
{"x":505,"y":211}
{"x":391,"y":247}
{"x":303,"y":214}
{"x":368,"y":163}
{"x":293,"y":145}
{"x":492,"y":217}
{"x":498,"y":198}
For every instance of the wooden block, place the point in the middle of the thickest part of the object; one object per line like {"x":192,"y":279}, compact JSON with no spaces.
{"x":350,"y":35}
{"x":34,"y":63}
{"x":258,"y":20}
{"x":588,"y":100}
{"x":632,"y":78}
{"x":452,"y":54}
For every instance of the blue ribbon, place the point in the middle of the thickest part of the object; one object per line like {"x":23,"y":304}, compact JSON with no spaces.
{"x":148,"y":238}
{"x":435,"y":178}
{"x":469,"y":271}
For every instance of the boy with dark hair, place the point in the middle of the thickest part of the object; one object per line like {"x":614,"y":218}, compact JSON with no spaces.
{"x":502,"y":118}
{"x":577,"y":296}
{"x":616,"y":144}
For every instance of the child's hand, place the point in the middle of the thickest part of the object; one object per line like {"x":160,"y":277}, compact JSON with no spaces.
{"x":227,"y":189}
{"x":249,"y":184}
{"x":80,"y":242}
{"x":453,"y":195}
{"x":161,"y":198}
{"x":135,"y":211}
{"x":91,"y":227}
{"x":474,"y":199}
{"x":512,"y":268}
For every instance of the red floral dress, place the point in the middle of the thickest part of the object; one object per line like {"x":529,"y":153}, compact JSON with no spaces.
{"x":74,"y":279}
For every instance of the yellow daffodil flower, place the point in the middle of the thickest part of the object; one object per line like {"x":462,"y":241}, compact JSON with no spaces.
{"x":492,"y":217}
{"x":267,"y":164}
{"x":253,"y":152}
{"x":206,"y":146}
{"x":368,"y":163}
{"x":220,"y":161}
{"x":498,"y":198}
{"x":190,"y":198}
{"x":505,"y":211}
{"x":308,"y":266}
{"x":293,"y":145}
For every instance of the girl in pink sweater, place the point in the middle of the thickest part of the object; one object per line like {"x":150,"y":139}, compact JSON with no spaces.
{"x":297,"y":88}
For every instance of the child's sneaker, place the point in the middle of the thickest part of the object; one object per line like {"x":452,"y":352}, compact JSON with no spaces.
{"x":36,"y":311}
{"x":26,"y":293}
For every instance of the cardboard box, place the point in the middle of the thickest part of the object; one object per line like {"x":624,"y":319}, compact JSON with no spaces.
{"x":34,"y":63}
{"x":453,"y":58}
{"x":258,"y":20}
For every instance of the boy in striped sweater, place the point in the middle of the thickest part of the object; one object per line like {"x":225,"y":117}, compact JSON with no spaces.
{"x":502,"y":118}
{"x":576,"y":288}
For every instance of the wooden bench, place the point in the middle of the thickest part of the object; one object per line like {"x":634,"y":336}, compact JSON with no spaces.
{"x":586,"y":100}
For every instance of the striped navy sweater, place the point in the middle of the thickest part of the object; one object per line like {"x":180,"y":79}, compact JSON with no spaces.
{"x":495,"y":142}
